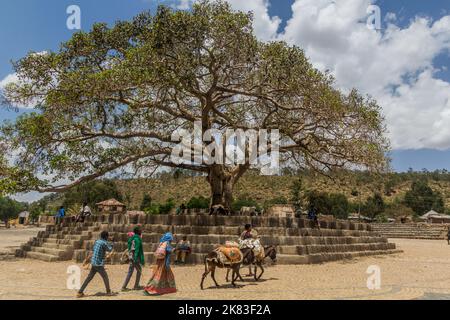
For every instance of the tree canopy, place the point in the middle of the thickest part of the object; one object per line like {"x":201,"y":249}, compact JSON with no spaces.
{"x":109,"y":100}
{"x":329,"y":204}
{"x":92,"y":193}
{"x":9,"y":208}
{"x":421,"y":198}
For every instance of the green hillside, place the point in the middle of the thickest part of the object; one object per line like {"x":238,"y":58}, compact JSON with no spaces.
{"x":356,"y":186}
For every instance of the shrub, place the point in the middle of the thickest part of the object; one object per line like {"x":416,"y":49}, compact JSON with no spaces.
{"x":164,"y":208}
{"x":153,"y":209}
{"x":198,"y":203}
{"x":329,"y":204}
{"x":297,"y":195}
{"x":374,"y":206}
{"x":421,"y":198}
{"x":146,"y":202}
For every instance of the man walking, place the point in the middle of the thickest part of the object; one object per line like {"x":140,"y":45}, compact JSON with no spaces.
{"x":137,"y":260}
{"x":101,"y":246}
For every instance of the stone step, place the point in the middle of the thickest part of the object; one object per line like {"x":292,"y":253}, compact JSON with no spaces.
{"x":237,"y":230}
{"x":200,"y":245}
{"x":327,"y":257}
{"x":315,"y":249}
{"x":266,"y":240}
{"x":69,"y":237}
{"x":283,"y":249}
{"x":206,"y":220}
{"x":61,"y":254}
{"x":282,"y":259}
{"x":42,"y":256}
{"x":413,"y":233}
{"x":423,"y":237}
{"x":408,"y":230}
{"x":73,"y":243}
{"x":57,"y":246}
{"x":149,"y":237}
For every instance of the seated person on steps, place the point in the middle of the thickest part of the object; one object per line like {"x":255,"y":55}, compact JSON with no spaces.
{"x":183,"y":249}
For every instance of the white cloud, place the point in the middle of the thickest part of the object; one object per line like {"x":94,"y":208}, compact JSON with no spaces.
{"x":13,"y":78}
{"x":183,"y":4}
{"x":10,"y":78}
{"x":394,"y":66}
{"x":266,"y":27}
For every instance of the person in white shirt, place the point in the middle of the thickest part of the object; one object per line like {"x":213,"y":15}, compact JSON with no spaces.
{"x":84,"y":212}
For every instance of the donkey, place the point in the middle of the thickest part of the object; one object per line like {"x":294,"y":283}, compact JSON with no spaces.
{"x":213,"y":260}
{"x":249,"y":259}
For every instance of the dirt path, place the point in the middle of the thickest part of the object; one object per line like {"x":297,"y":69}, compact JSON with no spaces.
{"x":422,"y":271}
{"x":12,"y":238}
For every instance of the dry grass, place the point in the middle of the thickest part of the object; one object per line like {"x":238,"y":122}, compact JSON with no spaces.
{"x":259,"y":188}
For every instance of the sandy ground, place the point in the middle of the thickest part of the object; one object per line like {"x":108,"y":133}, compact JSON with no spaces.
{"x":422,"y":271}
{"x":12,"y":238}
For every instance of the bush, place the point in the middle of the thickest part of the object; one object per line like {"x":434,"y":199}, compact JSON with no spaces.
{"x":198,"y":203}
{"x":146,"y":202}
{"x":297,"y":195}
{"x":329,"y":204}
{"x":397,"y":210}
{"x":164,"y":208}
{"x":373,"y":206}
{"x":153,"y":209}
{"x":421,"y":198}
{"x":10,"y":209}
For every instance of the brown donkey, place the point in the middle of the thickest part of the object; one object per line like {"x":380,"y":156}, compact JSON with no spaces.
{"x":215,"y":260}
{"x":249,"y":259}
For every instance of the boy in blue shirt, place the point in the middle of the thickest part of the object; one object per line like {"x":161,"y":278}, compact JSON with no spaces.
{"x":60,"y":215}
{"x":101,"y":246}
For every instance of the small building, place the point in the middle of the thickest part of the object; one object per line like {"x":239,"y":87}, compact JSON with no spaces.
{"x":23,"y":217}
{"x":111,"y":206}
{"x":435,"y":217}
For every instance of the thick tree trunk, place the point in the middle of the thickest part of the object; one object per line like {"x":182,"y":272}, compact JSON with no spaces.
{"x":228,"y":185}
{"x":221,"y":187}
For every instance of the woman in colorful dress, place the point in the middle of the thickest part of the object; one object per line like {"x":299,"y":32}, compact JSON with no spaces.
{"x":162,"y":280}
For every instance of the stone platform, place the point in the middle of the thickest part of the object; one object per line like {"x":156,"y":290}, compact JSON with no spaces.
{"x":412,"y":230}
{"x":296,"y":240}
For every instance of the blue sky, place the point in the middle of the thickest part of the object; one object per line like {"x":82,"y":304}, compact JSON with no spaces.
{"x":38,"y":25}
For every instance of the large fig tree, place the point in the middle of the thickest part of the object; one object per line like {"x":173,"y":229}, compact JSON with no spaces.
{"x":110,"y":99}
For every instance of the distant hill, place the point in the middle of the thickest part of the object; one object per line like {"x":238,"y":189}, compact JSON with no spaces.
{"x":261,"y":188}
